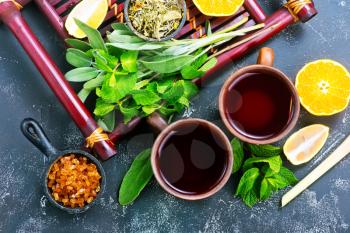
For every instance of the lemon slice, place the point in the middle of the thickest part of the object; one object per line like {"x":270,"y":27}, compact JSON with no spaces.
{"x":304,"y":144}
{"x":323,"y":87}
{"x":91,"y":12}
{"x":218,"y":7}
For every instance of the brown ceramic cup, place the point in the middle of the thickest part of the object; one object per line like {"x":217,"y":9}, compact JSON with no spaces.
{"x":264,"y":66}
{"x":166,"y":131}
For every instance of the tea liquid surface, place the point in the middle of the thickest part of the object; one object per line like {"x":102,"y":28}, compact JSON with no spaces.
{"x":258,"y":105}
{"x":192,"y":159}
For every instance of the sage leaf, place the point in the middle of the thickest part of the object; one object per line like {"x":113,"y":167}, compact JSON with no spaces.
{"x":145,"y":97}
{"x":78,"y":44}
{"x":96,"y":82}
{"x":128,"y":60}
{"x":136,"y":178}
{"x":82,"y":74}
{"x":275,"y":162}
{"x":77,"y":58}
{"x":94,"y":36}
{"x":238,"y":154}
{"x":265,"y":150}
{"x":83,"y":94}
{"x":166,"y":64}
{"x":121,"y":27}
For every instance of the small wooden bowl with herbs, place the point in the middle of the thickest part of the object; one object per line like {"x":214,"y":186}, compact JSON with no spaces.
{"x":155,"y":20}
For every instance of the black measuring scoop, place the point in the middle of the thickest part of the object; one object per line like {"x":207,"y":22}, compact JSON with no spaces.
{"x":34,"y":133}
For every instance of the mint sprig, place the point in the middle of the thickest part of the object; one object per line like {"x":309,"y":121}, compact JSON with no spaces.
{"x":261,"y":171}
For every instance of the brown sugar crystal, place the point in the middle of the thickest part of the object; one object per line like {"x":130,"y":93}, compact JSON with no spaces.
{"x":74,"y":181}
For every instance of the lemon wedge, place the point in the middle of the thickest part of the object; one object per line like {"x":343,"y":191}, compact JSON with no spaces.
{"x":91,"y":12}
{"x":304,"y":144}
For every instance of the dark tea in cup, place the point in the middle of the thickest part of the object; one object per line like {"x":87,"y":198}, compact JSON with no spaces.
{"x":259,"y":105}
{"x":192,"y":159}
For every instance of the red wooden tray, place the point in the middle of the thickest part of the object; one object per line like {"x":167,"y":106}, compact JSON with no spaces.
{"x":56,"y":12}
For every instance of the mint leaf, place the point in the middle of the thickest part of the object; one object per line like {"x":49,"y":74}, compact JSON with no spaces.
{"x":250,"y":198}
{"x":199,"y":60}
{"x":247,"y":181}
{"x":265,"y":190}
{"x":164,"y":85}
{"x":238,"y":154}
{"x":136,"y":179}
{"x":107,"y":122}
{"x":190,"y":72}
{"x":77,"y":58}
{"x":288,"y":175}
{"x":174,"y":93}
{"x":264,"y":150}
{"x":102,"y":108}
{"x":208,"y":65}
{"x":277,"y":182}
{"x":145,"y":97}
{"x":275,"y":162}
{"x":115,"y":88}
{"x":149,"y":109}
{"x":190,"y":89}
{"x":129,"y":112}
{"x":129,"y":61}
{"x":184,"y":101}
{"x":94,"y":36}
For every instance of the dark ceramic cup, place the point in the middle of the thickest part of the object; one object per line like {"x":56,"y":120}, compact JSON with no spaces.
{"x":177,"y":127}
{"x":170,"y":36}
{"x":264,"y":66}
{"x":34,"y":133}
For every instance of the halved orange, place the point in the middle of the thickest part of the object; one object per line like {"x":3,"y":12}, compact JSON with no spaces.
{"x":323,"y":87}
{"x":304,"y":144}
{"x":218,"y":7}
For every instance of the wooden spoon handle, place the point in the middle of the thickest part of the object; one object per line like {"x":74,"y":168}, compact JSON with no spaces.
{"x":341,"y":152}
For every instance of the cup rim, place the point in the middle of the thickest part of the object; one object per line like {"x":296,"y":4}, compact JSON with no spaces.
{"x":156,"y":169}
{"x":278,"y":74}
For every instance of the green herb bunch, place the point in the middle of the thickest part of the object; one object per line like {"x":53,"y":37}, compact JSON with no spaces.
{"x":259,"y":168}
{"x":137,"y":77}
{"x":261,"y":171}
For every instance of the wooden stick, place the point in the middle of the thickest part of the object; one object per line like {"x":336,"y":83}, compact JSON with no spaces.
{"x":341,"y":152}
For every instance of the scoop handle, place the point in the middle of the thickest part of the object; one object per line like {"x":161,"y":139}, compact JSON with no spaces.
{"x":32,"y":130}
{"x":341,"y":152}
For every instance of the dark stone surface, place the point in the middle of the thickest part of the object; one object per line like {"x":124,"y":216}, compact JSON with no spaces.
{"x":324,"y":207}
